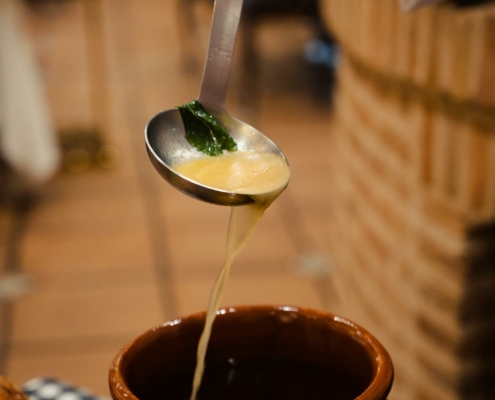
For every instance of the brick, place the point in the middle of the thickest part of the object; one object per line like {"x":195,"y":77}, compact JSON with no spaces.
{"x":441,"y":211}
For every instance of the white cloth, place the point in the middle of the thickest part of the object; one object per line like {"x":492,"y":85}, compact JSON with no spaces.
{"x":409,"y":5}
{"x":27,"y":138}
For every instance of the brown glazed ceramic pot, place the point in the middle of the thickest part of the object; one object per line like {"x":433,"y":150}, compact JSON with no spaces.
{"x":164,"y":357}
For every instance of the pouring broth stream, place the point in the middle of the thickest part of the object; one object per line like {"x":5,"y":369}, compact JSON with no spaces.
{"x":261,"y":175}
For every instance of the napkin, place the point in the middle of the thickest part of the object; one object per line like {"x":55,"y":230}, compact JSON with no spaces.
{"x":54,"y":389}
{"x":27,"y":137}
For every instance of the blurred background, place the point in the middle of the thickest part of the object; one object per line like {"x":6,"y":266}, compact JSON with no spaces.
{"x":386,"y":113}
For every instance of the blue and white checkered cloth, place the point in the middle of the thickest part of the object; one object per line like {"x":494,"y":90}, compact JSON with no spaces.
{"x":53,"y":389}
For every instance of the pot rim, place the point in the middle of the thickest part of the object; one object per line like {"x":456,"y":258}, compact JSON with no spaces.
{"x":383,"y":368}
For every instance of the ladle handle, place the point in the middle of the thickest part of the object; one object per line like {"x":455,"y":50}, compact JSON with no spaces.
{"x":226,"y":15}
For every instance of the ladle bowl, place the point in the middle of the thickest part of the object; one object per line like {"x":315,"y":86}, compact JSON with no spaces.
{"x":167,"y":146}
{"x":165,"y":133}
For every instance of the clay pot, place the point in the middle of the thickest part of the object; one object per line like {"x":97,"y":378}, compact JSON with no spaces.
{"x":349,"y":362}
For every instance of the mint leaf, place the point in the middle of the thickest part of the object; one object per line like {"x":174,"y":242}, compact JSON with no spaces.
{"x":203,"y":132}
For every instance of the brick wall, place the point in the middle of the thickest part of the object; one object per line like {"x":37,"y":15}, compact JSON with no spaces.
{"x":413,"y":165}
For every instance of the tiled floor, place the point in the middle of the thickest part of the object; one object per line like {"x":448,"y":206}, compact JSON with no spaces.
{"x":114,"y":252}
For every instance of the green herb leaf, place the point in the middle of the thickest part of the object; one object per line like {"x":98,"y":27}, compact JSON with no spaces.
{"x":203,"y":132}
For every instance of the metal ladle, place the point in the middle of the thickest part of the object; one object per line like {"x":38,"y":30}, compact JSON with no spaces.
{"x":165,"y":134}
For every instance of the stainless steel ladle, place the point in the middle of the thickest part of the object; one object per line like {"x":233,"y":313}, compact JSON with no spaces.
{"x":165,"y":135}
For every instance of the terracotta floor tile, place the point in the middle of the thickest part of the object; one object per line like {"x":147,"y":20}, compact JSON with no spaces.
{"x":86,"y":213}
{"x":71,"y":280}
{"x":317,"y":224}
{"x":197,"y":248}
{"x":169,"y":92}
{"x":262,"y":266}
{"x":183,"y":213}
{"x":282,"y":289}
{"x":95,"y":184}
{"x":88,"y":370}
{"x":268,"y":243}
{"x":118,"y":131}
{"x":71,"y":103}
{"x":45,"y":315}
{"x":106,"y":246}
{"x":206,"y":250}
{"x":74,"y":346}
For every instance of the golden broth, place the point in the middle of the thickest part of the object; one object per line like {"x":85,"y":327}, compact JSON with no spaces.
{"x":247,"y":173}
{"x":263,"y":176}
